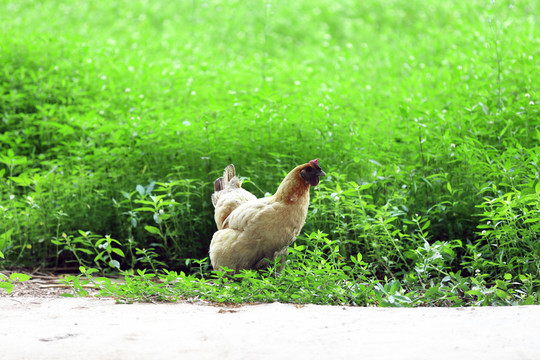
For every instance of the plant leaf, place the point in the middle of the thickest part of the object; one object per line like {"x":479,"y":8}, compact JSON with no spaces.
{"x":152,"y":229}
{"x":119,"y":252}
{"x":19,"y":277}
{"x":7,"y":286}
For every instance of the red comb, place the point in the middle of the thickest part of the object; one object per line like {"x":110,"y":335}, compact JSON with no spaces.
{"x":315,"y":162}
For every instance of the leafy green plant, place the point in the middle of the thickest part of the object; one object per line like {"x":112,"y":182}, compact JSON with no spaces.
{"x":91,"y":244}
{"x":7,"y":282}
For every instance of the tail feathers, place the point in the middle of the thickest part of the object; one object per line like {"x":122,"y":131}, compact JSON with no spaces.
{"x":228,"y":179}
{"x":218,"y":184}
{"x":229,"y":172}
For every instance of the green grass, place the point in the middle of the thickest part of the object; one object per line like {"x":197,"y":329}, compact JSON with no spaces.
{"x":116,"y":118}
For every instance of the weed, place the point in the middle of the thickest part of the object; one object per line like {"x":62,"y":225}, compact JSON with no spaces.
{"x":7,"y":282}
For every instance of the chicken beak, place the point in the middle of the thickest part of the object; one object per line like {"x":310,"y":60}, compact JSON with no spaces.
{"x":321,"y":173}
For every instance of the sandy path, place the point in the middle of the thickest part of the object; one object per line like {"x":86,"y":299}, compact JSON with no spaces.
{"x":90,"y":328}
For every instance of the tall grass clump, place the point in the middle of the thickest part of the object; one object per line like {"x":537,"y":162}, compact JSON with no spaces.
{"x":116,"y":118}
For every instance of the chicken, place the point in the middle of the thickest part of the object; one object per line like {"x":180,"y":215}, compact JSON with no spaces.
{"x":252,"y":232}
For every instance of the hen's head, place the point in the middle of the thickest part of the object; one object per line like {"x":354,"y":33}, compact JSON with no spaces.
{"x":311,"y":172}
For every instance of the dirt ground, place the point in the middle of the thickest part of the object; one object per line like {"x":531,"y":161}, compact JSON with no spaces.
{"x":36,"y":323}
